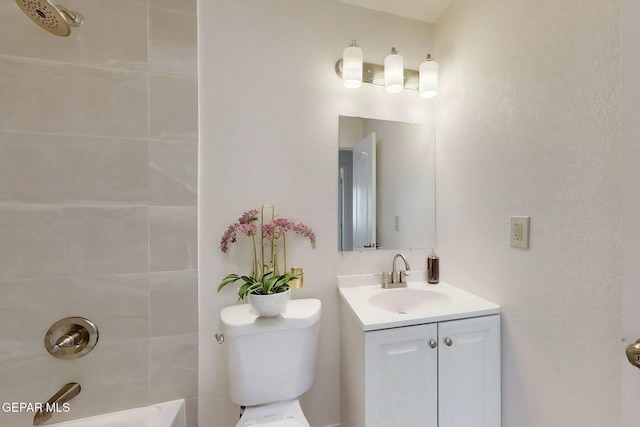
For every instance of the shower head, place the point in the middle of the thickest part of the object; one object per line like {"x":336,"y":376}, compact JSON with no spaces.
{"x":56,"y":19}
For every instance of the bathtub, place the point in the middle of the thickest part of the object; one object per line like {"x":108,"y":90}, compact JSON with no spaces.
{"x":167,"y":414}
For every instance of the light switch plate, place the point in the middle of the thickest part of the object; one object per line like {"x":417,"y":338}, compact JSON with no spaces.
{"x":519,"y":232}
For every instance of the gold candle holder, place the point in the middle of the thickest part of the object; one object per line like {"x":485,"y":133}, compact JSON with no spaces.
{"x":296,"y":283}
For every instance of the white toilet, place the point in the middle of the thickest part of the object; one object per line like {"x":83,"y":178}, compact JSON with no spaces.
{"x":271,"y":361}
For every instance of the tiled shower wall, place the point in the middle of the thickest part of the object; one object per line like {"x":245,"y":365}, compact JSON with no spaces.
{"x":98,"y":172}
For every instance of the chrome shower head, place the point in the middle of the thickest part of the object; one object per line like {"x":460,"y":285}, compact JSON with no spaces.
{"x":56,"y":19}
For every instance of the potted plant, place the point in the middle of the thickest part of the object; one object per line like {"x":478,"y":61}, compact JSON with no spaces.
{"x":267,"y":288}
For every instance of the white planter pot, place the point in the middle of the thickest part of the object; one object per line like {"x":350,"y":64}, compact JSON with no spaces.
{"x":270,"y":305}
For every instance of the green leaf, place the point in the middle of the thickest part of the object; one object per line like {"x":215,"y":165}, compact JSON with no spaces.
{"x":269,"y":283}
{"x":254,"y":288}
{"x":242,"y":292}
{"x":231,"y":278}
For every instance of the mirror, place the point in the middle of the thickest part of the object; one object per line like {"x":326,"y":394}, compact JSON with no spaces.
{"x":386,"y":197}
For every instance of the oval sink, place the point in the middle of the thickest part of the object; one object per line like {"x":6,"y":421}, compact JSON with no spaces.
{"x":408,"y":300}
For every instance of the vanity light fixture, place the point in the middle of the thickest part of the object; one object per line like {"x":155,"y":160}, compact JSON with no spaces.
{"x":392,"y":75}
{"x":393,"y":72}
{"x":352,"y":66}
{"x":428,"y":87}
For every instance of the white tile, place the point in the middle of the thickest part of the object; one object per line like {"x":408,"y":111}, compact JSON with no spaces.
{"x":23,"y":222}
{"x":174,"y":374}
{"x":191,"y":406}
{"x":173,"y":298}
{"x":173,"y":238}
{"x":85,"y":242}
{"x":12,"y":251}
{"x":114,"y":34}
{"x":181,"y":6}
{"x":46,"y":168}
{"x":173,"y":108}
{"x":68,"y":99}
{"x":173,"y":43}
{"x":173,"y":173}
{"x":103,"y":374}
{"x":118,"y":306}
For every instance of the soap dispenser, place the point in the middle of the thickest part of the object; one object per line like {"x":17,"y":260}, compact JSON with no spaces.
{"x":433,"y":269}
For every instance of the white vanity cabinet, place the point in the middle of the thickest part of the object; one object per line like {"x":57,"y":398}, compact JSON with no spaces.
{"x":469,"y":381}
{"x":401,"y":377}
{"x":441,"y":374}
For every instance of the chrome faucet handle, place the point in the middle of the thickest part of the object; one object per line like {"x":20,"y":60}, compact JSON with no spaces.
{"x":386,"y":278}
{"x":403,"y":276}
{"x":72,"y":339}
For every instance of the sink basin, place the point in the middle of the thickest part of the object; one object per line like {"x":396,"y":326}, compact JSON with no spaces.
{"x":375,"y":308}
{"x":408,"y":300}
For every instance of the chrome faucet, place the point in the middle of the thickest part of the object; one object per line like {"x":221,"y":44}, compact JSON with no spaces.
{"x":395,"y":278}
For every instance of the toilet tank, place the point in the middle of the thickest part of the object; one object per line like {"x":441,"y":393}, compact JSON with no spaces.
{"x":270,"y":359}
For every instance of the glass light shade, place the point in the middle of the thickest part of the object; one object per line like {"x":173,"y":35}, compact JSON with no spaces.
{"x":393,"y":72}
{"x":428,"y":86}
{"x":352,"y":66}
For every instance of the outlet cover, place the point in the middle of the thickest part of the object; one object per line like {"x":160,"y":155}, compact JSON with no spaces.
{"x":519,"y":232}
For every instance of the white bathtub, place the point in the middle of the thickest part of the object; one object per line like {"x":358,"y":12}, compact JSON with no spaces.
{"x":167,"y":414}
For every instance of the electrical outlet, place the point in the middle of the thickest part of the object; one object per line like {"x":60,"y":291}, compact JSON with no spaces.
{"x":519,"y":232}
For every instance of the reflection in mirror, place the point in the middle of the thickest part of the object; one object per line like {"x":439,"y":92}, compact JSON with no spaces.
{"x":386,"y":185}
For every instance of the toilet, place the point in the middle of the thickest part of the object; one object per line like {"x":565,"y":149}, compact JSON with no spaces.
{"x":271,"y":361}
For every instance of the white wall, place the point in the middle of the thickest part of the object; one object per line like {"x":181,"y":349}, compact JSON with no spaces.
{"x":269,"y":107}
{"x":630,"y":10}
{"x":528,"y":121}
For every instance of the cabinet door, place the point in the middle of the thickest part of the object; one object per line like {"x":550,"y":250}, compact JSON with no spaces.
{"x":401,"y":382}
{"x":469,"y":372}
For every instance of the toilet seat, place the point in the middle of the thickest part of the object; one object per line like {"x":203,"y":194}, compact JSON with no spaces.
{"x":278,"y":414}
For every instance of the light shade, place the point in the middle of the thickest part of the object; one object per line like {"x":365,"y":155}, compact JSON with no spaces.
{"x":352,"y":66}
{"x":393,"y":72}
{"x":428,"y":86}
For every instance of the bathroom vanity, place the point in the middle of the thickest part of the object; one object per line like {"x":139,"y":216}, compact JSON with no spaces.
{"x":423,"y":356}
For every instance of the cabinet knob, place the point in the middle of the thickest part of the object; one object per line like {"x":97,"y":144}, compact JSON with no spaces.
{"x":448,"y":342}
{"x":433,"y":343}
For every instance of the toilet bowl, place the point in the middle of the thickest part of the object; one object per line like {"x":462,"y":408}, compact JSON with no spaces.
{"x":271,"y":361}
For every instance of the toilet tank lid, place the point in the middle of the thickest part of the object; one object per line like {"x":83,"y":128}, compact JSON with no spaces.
{"x":242,"y":319}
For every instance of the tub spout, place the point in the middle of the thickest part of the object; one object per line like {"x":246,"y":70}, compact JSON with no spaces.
{"x":64,"y":395}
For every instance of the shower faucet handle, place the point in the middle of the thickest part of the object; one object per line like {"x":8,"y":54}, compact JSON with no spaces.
{"x":72,"y":339}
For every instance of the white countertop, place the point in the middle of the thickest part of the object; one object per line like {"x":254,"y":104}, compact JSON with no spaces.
{"x":443,"y":302}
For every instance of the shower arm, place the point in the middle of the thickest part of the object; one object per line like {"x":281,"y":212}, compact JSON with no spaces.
{"x":74,"y":19}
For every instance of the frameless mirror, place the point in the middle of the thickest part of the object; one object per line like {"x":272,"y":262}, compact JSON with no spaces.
{"x":386,"y":197}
